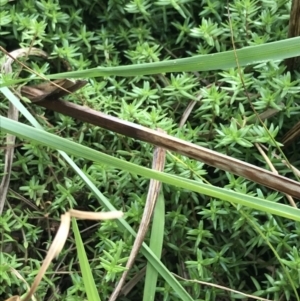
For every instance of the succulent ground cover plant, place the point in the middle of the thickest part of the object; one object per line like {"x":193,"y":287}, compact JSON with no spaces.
{"x":205,"y":238}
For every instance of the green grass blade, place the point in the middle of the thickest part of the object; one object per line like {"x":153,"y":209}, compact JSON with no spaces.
{"x":87,"y":276}
{"x":156,"y":243}
{"x":78,"y":150}
{"x":248,"y":55}
{"x":16,"y":102}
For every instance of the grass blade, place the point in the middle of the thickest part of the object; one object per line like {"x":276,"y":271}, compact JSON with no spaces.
{"x":156,"y":243}
{"x":87,"y":276}
{"x":248,"y":55}
{"x":205,"y":155}
{"x":25,"y":131}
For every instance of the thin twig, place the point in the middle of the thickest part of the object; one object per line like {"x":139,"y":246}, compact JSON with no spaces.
{"x":292,"y":202}
{"x":222,"y":288}
{"x":13,"y":114}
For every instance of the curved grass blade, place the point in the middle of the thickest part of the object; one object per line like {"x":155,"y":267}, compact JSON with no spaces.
{"x":158,"y":163}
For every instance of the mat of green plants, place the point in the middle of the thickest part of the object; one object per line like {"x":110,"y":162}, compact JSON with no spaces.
{"x":227,"y":95}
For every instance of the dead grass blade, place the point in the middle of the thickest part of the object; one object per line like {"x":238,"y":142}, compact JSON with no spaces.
{"x":59,"y":241}
{"x":14,"y":298}
{"x":158,"y":164}
{"x":49,"y":90}
{"x":291,"y":135}
{"x":13,"y":114}
{"x":212,"y":158}
{"x":294,"y":31}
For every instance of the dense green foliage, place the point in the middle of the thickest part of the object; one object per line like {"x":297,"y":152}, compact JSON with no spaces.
{"x":206,"y":239}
